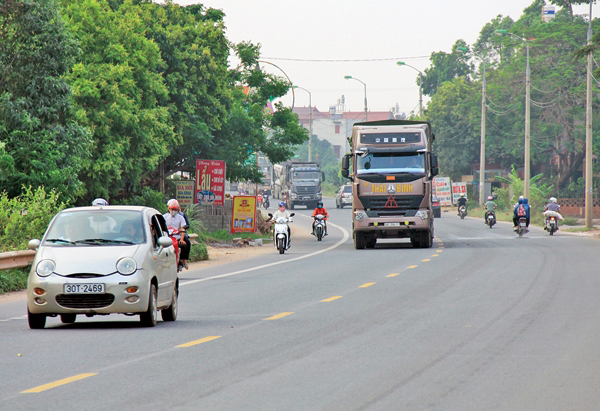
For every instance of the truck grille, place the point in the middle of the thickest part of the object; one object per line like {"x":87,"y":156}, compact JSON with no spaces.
{"x":306,"y":190}
{"x":85,"y":300}
{"x":404,"y":203}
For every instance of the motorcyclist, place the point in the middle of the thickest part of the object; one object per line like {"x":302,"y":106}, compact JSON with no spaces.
{"x":282,"y":212}
{"x":490,"y":207}
{"x":266,"y":197}
{"x":320,"y":210}
{"x":174,"y":219}
{"x":552,"y":209}
{"x":522,"y":209}
{"x":462,"y":201}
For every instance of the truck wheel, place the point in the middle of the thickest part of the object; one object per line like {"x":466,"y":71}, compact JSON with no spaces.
{"x":371,"y":242}
{"x":426,"y":240}
{"x":359,"y":240}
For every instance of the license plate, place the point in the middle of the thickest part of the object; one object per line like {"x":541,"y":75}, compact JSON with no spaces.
{"x":84,"y":288}
{"x":392,"y":224}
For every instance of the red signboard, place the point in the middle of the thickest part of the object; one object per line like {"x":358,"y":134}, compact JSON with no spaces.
{"x":210,"y":182}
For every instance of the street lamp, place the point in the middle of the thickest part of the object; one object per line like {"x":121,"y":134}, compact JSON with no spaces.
{"x":401,"y":63}
{"x":354,"y":78}
{"x":483,"y":124}
{"x":309,"y":122}
{"x":527,"y":173}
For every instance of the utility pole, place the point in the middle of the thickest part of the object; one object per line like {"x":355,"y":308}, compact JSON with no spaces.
{"x":589,"y":200}
{"x":482,"y":149}
{"x":527,"y":175}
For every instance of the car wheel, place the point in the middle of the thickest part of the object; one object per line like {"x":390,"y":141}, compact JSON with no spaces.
{"x":170,"y":314}
{"x":36,"y":321}
{"x":68,"y":318}
{"x":149,"y":318}
{"x":337,"y":205}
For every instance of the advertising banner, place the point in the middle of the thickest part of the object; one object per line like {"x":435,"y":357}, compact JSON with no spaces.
{"x":210,"y":182}
{"x":457,"y":190}
{"x":185,"y":193}
{"x":442,"y":190}
{"x":243,"y":215}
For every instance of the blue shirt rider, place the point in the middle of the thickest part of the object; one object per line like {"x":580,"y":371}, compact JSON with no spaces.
{"x":525,"y":203}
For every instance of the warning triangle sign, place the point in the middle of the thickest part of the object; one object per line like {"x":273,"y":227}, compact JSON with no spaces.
{"x":391,"y":203}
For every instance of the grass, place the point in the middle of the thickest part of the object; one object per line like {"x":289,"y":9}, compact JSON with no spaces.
{"x":579,"y":229}
{"x":13,"y":280}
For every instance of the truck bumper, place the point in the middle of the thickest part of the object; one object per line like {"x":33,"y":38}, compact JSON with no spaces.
{"x":393,"y":227}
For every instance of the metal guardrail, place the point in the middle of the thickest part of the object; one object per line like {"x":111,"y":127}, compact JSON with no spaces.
{"x":16,"y":259}
{"x":24,"y":258}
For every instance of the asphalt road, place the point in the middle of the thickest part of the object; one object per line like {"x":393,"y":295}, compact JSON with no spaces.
{"x":482,"y":321}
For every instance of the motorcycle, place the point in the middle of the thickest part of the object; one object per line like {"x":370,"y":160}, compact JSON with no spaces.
{"x":281,"y":237}
{"x":172,"y":232}
{"x":551,"y":225}
{"x":522,"y":226}
{"x":462,"y":211}
{"x":319,"y":226}
{"x":490,"y":218}
{"x":265,"y":201}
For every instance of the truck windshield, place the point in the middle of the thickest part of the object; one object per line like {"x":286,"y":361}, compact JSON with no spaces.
{"x":383,"y":163}
{"x":306,"y":175}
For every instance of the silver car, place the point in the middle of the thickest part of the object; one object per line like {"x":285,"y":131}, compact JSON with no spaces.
{"x":343,"y":196}
{"x":103,"y":260}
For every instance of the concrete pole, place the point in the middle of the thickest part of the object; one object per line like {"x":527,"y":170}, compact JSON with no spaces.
{"x":366,"y":118}
{"x":310,"y":132}
{"x":482,"y":149}
{"x":527,"y":176}
{"x":589,"y":200}
{"x":421,"y":94}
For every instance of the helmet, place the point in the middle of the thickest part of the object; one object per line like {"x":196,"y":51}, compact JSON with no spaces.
{"x":99,"y":202}
{"x":490,"y":198}
{"x":521,"y":197}
{"x":320,"y":204}
{"x":173,"y":204}
{"x":462,"y":195}
{"x":281,"y":204}
{"x":552,"y":200}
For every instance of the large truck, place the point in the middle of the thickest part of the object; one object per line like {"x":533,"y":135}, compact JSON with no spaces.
{"x":301,"y":181}
{"x":391,"y":166}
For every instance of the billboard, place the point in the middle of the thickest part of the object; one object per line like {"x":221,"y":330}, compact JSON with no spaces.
{"x":210,"y":182}
{"x":442,"y":190}
{"x":185,"y":193}
{"x":457,"y":190}
{"x":243,"y":217}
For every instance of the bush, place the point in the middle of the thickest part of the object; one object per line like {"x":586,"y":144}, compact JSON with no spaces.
{"x":198,"y":252}
{"x":13,"y":280}
{"x":27,"y":216}
{"x":570,"y":221}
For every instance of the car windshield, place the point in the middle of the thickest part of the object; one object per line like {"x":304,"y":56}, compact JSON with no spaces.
{"x":96,"y":227}
{"x":306,"y":175}
{"x":383,"y":163}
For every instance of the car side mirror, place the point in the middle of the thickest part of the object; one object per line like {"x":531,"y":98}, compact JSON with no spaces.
{"x":33,"y":244}
{"x":165,"y":241}
{"x":346,"y":166}
{"x":433,"y":162}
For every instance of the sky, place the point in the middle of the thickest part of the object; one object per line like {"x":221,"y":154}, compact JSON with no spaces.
{"x":358,"y":38}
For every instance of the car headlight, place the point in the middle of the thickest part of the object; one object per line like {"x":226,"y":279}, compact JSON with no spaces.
{"x":319,"y":195}
{"x":126,"y":266}
{"x":359,"y":215}
{"x":294,"y":195}
{"x":44,"y":268}
{"x":423,"y":214}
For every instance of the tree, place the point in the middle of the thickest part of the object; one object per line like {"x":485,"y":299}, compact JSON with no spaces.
{"x":43,"y":144}
{"x":445,"y":67}
{"x":118,"y":88}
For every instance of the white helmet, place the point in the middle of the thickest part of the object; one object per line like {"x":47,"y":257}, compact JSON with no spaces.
{"x":552,"y":200}
{"x":490,"y":198}
{"x":99,"y":202}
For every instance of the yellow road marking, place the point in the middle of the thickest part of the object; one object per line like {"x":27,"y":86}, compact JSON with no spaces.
{"x":412,"y":266}
{"x":366,"y":285}
{"x":434,"y":255}
{"x":335,"y":297}
{"x":275,"y":317}
{"x":200,"y":341}
{"x":426,"y":260}
{"x":439,"y":251}
{"x":58,"y":383}
{"x":392,"y":275}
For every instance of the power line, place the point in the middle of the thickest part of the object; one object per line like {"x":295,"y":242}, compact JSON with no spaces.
{"x":345,"y":60}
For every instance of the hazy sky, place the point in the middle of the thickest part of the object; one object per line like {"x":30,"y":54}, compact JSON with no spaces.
{"x":366,"y":38}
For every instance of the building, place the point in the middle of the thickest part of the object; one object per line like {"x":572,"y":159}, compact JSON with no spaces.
{"x":336,"y":124}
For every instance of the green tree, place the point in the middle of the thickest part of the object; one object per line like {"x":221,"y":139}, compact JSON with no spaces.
{"x":42,"y":142}
{"x":445,"y":67}
{"x":118,"y":88}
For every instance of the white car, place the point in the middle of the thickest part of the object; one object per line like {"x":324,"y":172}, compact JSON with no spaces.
{"x":103,"y":260}
{"x":343,"y":196}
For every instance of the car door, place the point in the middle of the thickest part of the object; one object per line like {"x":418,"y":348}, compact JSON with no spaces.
{"x":165,"y":260}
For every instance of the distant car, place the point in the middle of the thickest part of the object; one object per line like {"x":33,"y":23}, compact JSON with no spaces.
{"x":435,"y":207}
{"x":343,"y":196}
{"x":103,"y":260}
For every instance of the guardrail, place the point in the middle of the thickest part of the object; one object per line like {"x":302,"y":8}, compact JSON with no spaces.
{"x":24,"y":258}
{"x":16,"y":259}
